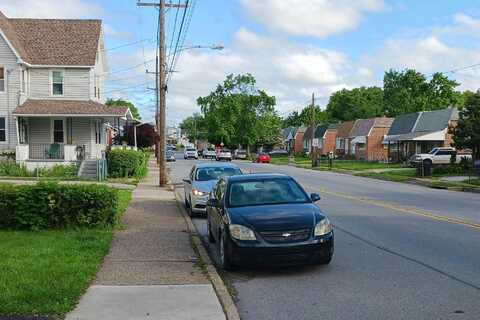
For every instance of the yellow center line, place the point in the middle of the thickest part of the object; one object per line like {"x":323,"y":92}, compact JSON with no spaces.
{"x":414,"y":211}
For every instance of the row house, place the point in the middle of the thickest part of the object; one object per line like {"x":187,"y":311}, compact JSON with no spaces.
{"x":366,"y":139}
{"x":52,"y":75}
{"x":342,"y":142}
{"x":420,"y":132}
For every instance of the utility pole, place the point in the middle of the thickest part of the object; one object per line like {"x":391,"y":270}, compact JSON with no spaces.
{"x":161,"y":85}
{"x":312,"y":137}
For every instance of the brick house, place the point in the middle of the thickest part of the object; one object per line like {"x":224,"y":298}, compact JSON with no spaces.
{"x":298,"y":140}
{"x":420,"y":132}
{"x":342,"y":143}
{"x":328,"y":139}
{"x":366,"y":139}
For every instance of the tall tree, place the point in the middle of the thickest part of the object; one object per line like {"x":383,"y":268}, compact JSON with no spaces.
{"x":409,"y":91}
{"x":194,"y":127}
{"x":467,"y":132}
{"x":304,"y":118}
{"x":357,"y":103}
{"x":237,"y":112}
{"x":124,"y":103}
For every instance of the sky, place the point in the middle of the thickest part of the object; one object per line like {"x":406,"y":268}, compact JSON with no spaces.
{"x":292,"y":47}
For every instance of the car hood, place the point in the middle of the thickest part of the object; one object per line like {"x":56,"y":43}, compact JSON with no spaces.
{"x":204,"y":186}
{"x":277,"y":217}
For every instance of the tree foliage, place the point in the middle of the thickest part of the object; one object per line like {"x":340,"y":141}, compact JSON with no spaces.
{"x":238,"y":113}
{"x":409,"y":91}
{"x":357,"y":103}
{"x":467,"y":131}
{"x":194,"y":127}
{"x":304,"y":118}
{"x":124,"y":103}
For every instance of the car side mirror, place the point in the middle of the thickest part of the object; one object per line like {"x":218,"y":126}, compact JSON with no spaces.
{"x":315,"y":197}
{"x":187,"y":181}
{"x":212,"y":202}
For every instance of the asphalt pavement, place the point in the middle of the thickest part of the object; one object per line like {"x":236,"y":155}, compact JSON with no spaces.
{"x":401,"y":252}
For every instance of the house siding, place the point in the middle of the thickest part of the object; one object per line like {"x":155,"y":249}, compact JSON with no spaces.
{"x":9,"y":98}
{"x":39,"y":130}
{"x":329,"y":141}
{"x":298,"y":144}
{"x":375,"y":150}
{"x":75,"y":86}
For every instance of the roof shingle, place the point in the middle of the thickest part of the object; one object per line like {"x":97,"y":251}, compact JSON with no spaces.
{"x":68,"y":107}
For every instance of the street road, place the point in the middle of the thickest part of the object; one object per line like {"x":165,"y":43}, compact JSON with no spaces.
{"x":401,"y":252}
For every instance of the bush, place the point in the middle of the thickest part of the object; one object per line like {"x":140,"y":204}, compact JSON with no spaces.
{"x":13,"y":169}
{"x":127,"y":163}
{"x":50,"y":205}
{"x":66,"y":171}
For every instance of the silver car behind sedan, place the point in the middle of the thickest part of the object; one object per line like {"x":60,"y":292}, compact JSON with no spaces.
{"x":201,"y":180}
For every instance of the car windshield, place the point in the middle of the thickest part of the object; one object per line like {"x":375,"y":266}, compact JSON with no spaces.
{"x":263,"y":192}
{"x":190,"y":149}
{"x":215,"y":173}
{"x":225,"y":150}
{"x":241,"y":152}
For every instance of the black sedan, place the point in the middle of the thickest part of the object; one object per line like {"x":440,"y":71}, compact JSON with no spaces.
{"x":265,"y":218}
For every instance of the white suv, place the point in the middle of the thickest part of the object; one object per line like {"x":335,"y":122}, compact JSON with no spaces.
{"x":190,"y":153}
{"x":224,"y":154}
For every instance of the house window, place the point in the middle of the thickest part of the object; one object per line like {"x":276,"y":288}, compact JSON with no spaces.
{"x":98,"y":132}
{"x":58,"y":131}
{"x":23,"y":76}
{"x":57,"y":83}
{"x":2,"y":79}
{"x":3,"y":129}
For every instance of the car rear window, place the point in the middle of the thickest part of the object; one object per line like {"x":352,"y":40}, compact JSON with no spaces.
{"x":263,"y":192}
{"x":190,"y":149}
{"x":215,"y":173}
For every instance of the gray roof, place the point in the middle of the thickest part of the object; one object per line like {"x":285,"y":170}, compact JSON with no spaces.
{"x":362,"y":127}
{"x":403,"y":124}
{"x":433,"y":121}
{"x":320,"y":130}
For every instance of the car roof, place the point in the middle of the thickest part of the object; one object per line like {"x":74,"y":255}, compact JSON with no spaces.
{"x":216,"y":165}
{"x":257,"y":176}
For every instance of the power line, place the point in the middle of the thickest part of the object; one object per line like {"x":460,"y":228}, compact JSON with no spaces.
{"x":456,"y":69}
{"x":176,"y":51}
{"x":174,"y":29}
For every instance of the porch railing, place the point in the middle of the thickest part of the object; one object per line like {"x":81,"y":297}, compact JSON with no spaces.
{"x":46,"y":151}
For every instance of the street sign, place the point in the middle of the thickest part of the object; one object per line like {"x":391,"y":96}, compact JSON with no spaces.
{"x":315,"y":142}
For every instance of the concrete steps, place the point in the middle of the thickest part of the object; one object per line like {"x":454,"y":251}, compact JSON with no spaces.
{"x":88,"y":169}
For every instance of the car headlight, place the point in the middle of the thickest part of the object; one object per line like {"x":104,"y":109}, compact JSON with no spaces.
{"x":323,"y":227}
{"x":240,"y":232}
{"x":198,"y":192}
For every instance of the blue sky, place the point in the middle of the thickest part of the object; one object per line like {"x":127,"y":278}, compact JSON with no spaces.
{"x":292,"y":47}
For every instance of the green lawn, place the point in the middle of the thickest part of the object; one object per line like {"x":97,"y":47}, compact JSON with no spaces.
{"x":46,"y":272}
{"x":398,"y":176}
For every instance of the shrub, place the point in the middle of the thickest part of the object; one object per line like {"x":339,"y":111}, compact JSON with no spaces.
{"x":13,"y":169}
{"x":57,"y":171}
{"x":50,"y":205}
{"x":126,"y":163}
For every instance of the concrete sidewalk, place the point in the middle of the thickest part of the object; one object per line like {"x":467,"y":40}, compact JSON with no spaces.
{"x":151,"y":271}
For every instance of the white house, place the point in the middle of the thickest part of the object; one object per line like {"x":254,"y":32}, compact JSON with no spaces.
{"x":52,"y":75}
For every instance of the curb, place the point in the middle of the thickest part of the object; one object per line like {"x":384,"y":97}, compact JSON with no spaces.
{"x":219,"y":286}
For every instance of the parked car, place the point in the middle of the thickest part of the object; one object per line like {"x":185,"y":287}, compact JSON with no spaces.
{"x":240,"y":154}
{"x":224,"y":154}
{"x":262,"y":158}
{"x":200,"y":182}
{"x":262,"y":217}
{"x":209,"y":153}
{"x":190,"y":153}
{"x":278,"y":152}
{"x":438,"y":156}
{"x":170,"y":155}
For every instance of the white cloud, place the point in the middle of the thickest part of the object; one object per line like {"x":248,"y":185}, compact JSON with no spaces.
{"x":65,"y":9}
{"x":318,"y":18}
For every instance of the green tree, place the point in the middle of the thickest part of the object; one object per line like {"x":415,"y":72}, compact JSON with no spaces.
{"x":195,"y":127}
{"x":237,"y":112}
{"x":409,"y":91}
{"x":124,"y":103}
{"x":292,"y":120}
{"x":357,"y":103}
{"x":304,"y":118}
{"x":467,"y":131}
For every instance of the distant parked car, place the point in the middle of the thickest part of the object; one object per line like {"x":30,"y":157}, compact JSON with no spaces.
{"x":438,"y":156}
{"x":278,"y":152}
{"x":262,"y":158}
{"x":240,"y":154}
{"x":224,"y":154}
{"x":259,"y":218}
{"x":200,"y":182}
{"x":190,"y":153}
{"x":209,"y":153}
{"x":170,"y":155}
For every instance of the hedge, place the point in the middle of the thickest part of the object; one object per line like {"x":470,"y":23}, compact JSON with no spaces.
{"x":54,"y":206}
{"x":126,"y":163}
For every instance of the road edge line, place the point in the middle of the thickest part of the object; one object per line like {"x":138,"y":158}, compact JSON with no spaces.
{"x":229,"y":307}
